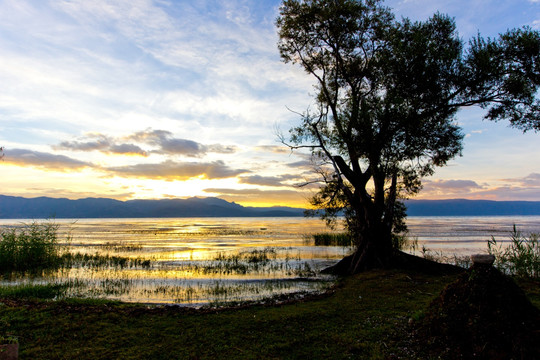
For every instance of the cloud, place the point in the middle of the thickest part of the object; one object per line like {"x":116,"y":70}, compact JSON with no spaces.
{"x":268,"y":180}
{"x":508,"y":193}
{"x":451,"y":185}
{"x":261,"y":197}
{"x":73,"y":194}
{"x":449,"y":189}
{"x":167,"y":144}
{"x":171,"y":170}
{"x":524,"y":188}
{"x":531,"y":180}
{"x":24,"y":157}
{"x":160,"y":141}
{"x":101,"y":143}
{"x":302,"y":164}
{"x":274,"y":149}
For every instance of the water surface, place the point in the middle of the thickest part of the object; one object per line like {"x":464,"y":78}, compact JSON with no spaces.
{"x":196,"y":261}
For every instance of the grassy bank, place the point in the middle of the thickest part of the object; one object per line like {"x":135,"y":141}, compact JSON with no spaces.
{"x":366,"y":317}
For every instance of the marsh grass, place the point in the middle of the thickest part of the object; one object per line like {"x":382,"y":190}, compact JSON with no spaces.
{"x":30,"y":247}
{"x":120,"y":247}
{"x":405,"y":242}
{"x":265,"y":261}
{"x":33,"y":291}
{"x":520,"y":258}
{"x":106,"y":279}
{"x":36,"y":265}
{"x":99,"y":261}
{"x":332,"y":239}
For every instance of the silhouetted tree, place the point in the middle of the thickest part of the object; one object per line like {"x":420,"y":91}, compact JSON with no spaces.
{"x":387,"y":95}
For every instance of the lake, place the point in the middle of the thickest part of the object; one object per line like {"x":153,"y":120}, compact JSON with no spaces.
{"x":198,"y":261}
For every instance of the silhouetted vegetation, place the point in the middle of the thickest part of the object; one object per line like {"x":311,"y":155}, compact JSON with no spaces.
{"x":333,"y":239}
{"x":519,"y":258}
{"x":387,"y":94}
{"x":30,"y":247}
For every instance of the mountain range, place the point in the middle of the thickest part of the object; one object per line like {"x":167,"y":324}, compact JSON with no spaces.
{"x":12,"y":207}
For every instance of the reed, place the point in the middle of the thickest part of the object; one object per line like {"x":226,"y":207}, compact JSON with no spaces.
{"x":30,"y":247}
{"x":332,"y":239}
{"x":120,"y":247}
{"x":98,"y":261}
{"x":33,"y":291}
{"x":521,"y":257}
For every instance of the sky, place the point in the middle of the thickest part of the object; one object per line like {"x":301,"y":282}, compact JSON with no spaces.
{"x":151,"y":99}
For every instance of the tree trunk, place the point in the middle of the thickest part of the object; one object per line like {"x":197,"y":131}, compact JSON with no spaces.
{"x":374,"y":250}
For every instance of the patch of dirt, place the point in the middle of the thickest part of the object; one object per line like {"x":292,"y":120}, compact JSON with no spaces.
{"x":482,"y":315}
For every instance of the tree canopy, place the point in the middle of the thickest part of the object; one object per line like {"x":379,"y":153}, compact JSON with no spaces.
{"x":387,"y":96}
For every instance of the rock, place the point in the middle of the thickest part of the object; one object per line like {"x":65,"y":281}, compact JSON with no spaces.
{"x":483,"y":259}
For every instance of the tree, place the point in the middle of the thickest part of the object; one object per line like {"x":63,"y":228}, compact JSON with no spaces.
{"x":387,"y":93}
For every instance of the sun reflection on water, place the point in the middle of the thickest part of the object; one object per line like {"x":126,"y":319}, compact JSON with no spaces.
{"x":191,"y":261}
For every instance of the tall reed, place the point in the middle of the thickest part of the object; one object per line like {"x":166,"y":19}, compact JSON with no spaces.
{"x":30,"y":247}
{"x":521,"y":257}
{"x":332,"y":239}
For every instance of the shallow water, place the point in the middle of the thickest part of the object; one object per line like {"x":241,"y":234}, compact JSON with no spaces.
{"x":196,"y":261}
{"x":466,"y":235}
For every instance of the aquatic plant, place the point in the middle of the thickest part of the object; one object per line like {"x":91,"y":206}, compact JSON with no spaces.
{"x":244,"y":262}
{"x":98,"y":261}
{"x":520,"y":258}
{"x":121,"y":247}
{"x":30,"y":247}
{"x":36,"y":291}
{"x":332,"y":239}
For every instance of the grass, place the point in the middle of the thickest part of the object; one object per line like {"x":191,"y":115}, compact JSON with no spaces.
{"x":98,"y":261}
{"x":265,"y":261}
{"x":120,"y":247}
{"x":33,"y":291}
{"x":35,"y":248}
{"x":30,"y":247}
{"x":332,"y":239}
{"x":36,"y":265}
{"x":366,"y":317}
{"x":521,"y":257}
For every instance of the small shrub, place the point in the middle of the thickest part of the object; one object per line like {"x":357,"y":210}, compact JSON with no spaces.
{"x":520,"y":258}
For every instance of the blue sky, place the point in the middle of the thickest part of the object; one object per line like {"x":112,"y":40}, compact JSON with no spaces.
{"x":154,"y":99}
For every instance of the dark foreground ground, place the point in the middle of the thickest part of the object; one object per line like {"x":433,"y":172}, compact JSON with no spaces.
{"x":367,"y":316}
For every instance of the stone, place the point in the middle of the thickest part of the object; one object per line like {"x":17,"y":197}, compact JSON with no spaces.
{"x":483,"y":259}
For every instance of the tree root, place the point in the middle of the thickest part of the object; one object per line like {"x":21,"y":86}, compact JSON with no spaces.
{"x":352,"y":264}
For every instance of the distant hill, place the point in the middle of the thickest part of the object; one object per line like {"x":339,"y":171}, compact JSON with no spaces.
{"x":44,"y":207}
